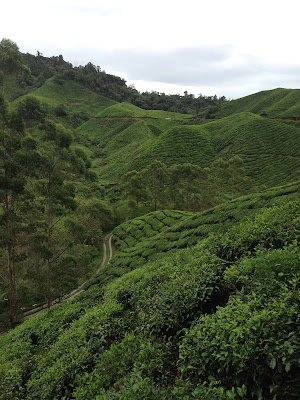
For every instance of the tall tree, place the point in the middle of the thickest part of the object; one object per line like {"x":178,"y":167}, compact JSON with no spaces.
{"x":219,"y":177}
{"x":133,"y":187}
{"x":155,"y":177}
{"x":238,"y":180}
{"x":186,"y":177}
{"x":17,"y":163}
{"x":58,"y":198}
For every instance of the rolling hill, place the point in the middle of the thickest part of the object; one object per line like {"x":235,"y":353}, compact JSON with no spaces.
{"x":276,"y":103}
{"x":153,"y":235}
{"x":269,"y":148}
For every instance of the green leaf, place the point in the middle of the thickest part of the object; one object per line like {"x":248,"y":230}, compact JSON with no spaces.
{"x":272,"y":363}
{"x":288,"y":366}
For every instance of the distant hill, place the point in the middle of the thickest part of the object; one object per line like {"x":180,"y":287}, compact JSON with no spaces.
{"x":276,"y":103}
{"x":270,"y":149}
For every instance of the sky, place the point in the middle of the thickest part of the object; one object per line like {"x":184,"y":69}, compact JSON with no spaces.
{"x":230,"y":48}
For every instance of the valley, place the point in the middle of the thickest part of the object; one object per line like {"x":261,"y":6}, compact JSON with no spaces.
{"x":193,"y":207}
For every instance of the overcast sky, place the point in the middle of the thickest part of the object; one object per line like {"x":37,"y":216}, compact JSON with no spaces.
{"x":224,"y":47}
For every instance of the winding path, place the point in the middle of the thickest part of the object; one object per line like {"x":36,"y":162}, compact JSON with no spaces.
{"x":105,"y":261}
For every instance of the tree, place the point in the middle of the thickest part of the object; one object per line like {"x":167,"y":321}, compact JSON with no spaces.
{"x":30,"y":108}
{"x":11,"y":61}
{"x":57,"y":197}
{"x":186,"y":178}
{"x":17,"y":164}
{"x":219,"y":177}
{"x":229,"y":176}
{"x":155,"y":178}
{"x":133,"y":187}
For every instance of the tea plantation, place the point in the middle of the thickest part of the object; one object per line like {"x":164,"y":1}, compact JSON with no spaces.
{"x":218,"y":319}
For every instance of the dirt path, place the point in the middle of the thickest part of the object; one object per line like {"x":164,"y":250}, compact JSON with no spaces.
{"x":105,"y":261}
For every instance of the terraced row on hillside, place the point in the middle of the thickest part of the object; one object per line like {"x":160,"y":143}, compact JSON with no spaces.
{"x":127,"y":110}
{"x":151,"y":236}
{"x":132,"y":232}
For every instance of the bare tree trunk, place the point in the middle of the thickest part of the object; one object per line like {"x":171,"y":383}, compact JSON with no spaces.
{"x":49,"y":242}
{"x":187,"y":203}
{"x":11,"y":264}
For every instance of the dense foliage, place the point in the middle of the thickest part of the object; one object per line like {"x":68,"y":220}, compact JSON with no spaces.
{"x":218,"y":320}
{"x":50,"y":235}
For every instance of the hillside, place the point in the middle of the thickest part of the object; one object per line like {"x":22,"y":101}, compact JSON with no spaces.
{"x":162,"y":331}
{"x":151,"y":236}
{"x":193,"y":305}
{"x":276,"y":103}
{"x":119,"y":134}
{"x":74,"y":97}
{"x":269,"y":148}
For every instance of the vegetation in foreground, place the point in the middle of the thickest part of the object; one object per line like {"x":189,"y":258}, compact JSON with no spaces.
{"x":217,"y":320}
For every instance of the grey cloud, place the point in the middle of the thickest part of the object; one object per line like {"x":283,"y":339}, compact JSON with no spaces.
{"x":181,"y":66}
{"x":198,"y":66}
{"x":218,"y":68}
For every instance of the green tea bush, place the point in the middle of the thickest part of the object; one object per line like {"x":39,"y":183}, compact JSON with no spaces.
{"x":251,"y":342}
{"x":271,"y":228}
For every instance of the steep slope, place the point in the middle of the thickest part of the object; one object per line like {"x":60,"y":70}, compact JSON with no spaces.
{"x":276,"y":103}
{"x":209,"y":321}
{"x":124,"y":147}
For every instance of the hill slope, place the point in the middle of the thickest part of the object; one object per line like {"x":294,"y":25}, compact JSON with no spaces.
{"x":153,"y":235}
{"x":276,"y":103}
{"x":75,"y":97}
{"x":206,"y":322}
{"x":270,"y":149}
